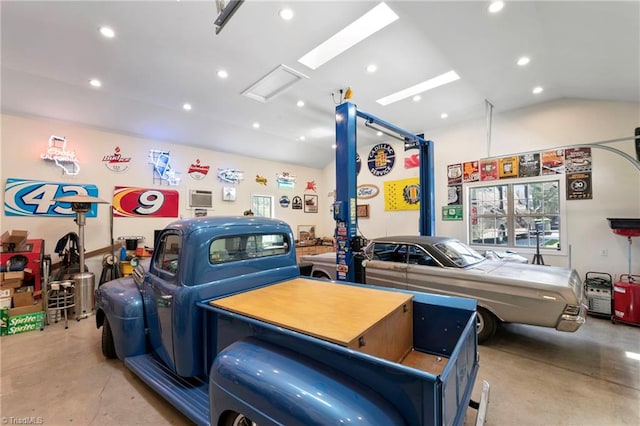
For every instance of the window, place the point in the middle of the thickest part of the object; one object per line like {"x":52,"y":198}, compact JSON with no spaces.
{"x":169,"y":250}
{"x":236,"y":248}
{"x":518,"y":215}
{"x":262,"y":205}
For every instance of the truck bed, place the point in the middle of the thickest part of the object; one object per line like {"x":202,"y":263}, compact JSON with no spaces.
{"x":419,"y":351}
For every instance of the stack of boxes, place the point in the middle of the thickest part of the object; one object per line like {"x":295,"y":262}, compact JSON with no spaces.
{"x":19,"y":310}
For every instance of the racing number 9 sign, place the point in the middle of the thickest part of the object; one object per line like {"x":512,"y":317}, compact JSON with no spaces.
{"x":35,"y":198}
{"x":145,"y":202}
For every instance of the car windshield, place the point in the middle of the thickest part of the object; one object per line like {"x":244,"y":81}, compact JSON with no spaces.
{"x":460,"y":254}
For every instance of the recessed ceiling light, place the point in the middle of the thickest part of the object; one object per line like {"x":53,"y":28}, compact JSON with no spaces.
{"x":372,"y":68}
{"x":537,"y":90}
{"x":95,"y":82}
{"x":334,"y":146}
{"x":107,"y":32}
{"x":286,"y":14}
{"x":186,"y":106}
{"x":524,"y":60}
{"x":300,"y":104}
{"x":417,"y":98}
{"x":432,"y":83}
{"x":256,"y":125}
{"x":369,"y":23}
{"x":496,"y":6}
{"x":223,"y":74}
{"x":379,"y":133}
{"x":444,"y":115}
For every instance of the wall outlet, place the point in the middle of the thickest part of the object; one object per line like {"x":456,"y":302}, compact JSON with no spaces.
{"x":604,"y":252}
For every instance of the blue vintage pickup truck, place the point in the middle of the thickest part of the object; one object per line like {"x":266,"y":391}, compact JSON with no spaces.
{"x":225,"y":328}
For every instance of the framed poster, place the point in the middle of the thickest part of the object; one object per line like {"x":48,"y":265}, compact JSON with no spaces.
{"x":310,"y":203}
{"x":362,"y":210}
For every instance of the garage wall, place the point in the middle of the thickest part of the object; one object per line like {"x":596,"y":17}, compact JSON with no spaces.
{"x":616,"y":182}
{"x":24,"y":139}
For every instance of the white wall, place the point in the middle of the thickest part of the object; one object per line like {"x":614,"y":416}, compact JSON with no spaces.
{"x":616,"y":182}
{"x":24,"y":139}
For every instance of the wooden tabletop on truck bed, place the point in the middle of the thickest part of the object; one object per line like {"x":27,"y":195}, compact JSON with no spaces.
{"x":339,"y":313}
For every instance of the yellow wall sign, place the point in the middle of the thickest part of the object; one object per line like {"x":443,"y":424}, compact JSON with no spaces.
{"x":402,"y":194}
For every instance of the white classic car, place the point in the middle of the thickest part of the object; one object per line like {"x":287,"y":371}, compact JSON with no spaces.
{"x":509,"y":292}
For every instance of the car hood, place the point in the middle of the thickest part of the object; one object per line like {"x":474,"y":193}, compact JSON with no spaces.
{"x":526,"y":273}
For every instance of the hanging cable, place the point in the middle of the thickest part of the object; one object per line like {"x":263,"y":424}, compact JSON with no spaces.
{"x":489,"y":113}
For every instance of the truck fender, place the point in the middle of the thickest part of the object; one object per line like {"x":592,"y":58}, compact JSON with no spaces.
{"x":270,"y":384}
{"x":120,"y":303}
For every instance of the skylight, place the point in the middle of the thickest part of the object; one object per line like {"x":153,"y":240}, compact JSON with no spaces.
{"x":363,"y":27}
{"x":432,"y":83}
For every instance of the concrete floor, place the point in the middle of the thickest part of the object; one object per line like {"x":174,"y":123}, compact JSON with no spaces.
{"x":537,"y":377}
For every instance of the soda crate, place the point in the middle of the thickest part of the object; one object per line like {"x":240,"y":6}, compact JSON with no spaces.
{"x":27,"y":322}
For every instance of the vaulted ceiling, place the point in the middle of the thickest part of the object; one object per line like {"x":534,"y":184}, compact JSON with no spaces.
{"x":165,"y":54}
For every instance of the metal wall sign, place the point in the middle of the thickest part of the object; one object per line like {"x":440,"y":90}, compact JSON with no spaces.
{"x":381,"y":159}
{"x":35,"y":198}
{"x":145,"y":202}
{"x":452,"y":213}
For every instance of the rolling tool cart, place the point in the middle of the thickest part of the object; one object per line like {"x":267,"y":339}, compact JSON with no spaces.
{"x":598,"y":287}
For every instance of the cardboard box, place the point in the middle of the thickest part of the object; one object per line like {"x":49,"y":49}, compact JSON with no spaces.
{"x":27,"y":322}
{"x":11,"y":280}
{"x":5,"y":302}
{"x":24,"y":298}
{"x":14,"y":240}
{"x":28,"y":309}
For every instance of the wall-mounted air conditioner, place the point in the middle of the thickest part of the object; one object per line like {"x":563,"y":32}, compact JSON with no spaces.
{"x":201,"y":198}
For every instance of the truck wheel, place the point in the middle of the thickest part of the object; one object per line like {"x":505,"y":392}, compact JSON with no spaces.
{"x":108,"y":347}
{"x":236,"y":419}
{"x":487,"y":325}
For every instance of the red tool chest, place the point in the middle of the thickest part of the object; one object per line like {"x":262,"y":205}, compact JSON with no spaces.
{"x":33,"y":250}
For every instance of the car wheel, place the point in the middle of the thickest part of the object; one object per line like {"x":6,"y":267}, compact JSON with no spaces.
{"x":236,"y":419}
{"x":487,"y":325}
{"x":321,"y":275}
{"x":108,"y":347}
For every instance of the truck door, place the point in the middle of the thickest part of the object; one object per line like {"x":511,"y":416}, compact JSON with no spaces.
{"x":159,"y":298}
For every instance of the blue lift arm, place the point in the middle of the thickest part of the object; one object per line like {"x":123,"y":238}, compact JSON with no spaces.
{"x":344,"y":208}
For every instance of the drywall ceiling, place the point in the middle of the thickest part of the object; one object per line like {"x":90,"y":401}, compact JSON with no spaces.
{"x":166,"y":53}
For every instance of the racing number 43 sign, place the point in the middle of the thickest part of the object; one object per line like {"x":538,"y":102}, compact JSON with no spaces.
{"x":35,"y":198}
{"x":145,"y":202}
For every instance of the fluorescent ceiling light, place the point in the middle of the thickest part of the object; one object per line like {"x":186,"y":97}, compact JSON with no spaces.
{"x":432,"y":83}
{"x":274,"y":83}
{"x":363,"y":27}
